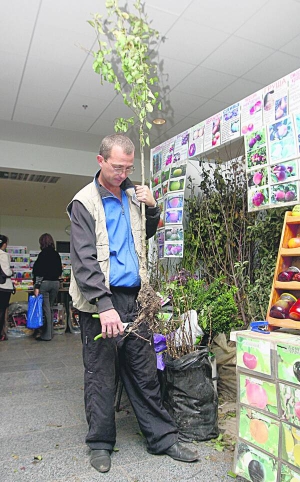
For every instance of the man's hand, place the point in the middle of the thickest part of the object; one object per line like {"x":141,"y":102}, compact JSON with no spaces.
{"x":111,"y":323}
{"x":36,"y":292}
{"x":144,"y":195}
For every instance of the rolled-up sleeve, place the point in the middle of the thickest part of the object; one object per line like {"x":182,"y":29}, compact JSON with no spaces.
{"x":85,"y":266}
{"x":152,"y":219}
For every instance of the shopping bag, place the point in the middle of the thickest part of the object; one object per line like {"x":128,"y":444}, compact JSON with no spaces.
{"x":35,"y":312}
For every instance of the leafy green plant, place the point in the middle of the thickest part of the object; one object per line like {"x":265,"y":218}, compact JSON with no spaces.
{"x":123,"y":58}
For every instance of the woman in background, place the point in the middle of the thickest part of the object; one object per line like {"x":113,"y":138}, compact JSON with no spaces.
{"x":6,"y":288}
{"x":46,"y":272}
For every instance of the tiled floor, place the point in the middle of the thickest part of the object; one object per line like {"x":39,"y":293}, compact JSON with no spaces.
{"x":43,"y":425}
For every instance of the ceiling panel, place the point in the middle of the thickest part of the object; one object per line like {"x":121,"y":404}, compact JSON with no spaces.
{"x":210,"y":55}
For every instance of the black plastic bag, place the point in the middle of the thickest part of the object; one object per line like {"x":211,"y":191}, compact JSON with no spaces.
{"x":190,"y":397}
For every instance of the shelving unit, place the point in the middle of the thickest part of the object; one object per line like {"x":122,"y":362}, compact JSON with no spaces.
{"x":286,"y":257}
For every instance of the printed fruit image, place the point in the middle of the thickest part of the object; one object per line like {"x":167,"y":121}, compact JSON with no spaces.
{"x":280,"y":196}
{"x":256,"y":395}
{"x":296,"y":210}
{"x":177,"y":172}
{"x":256,"y":471}
{"x":288,"y":440}
{"x":289,"y":196}
{"x":296,"y":370}
{"x":250,"y":361}
{"x":296,"y":453}
{"x":259,"y":431}
{"x":174,"y":202}
{"x":257,"y":178}
{"x":258,"y":199}
{"x":294,"y":242}
{"x":172,"y":217}
{"x":174,"y":185}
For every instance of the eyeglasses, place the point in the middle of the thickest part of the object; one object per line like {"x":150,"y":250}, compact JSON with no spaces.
{"x":120,"y":170}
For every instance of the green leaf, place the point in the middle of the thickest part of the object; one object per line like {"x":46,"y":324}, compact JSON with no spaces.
{"x":148,"y":124}
{"x":149,"y":107}
{"x":159,"y":106}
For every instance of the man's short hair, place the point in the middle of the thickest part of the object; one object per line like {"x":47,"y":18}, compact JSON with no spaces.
{"x":115,"y":140}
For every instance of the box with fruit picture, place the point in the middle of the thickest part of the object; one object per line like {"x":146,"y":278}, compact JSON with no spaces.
{"x":288,"y":362}
{"x":255,"y":354}
{"x":259,"y":429}
{"x":290,"y":404}
{"x":253,"y":464}
{"x":258,"y":393}
{"x":290,"y":445}
{"x":287,"y":474}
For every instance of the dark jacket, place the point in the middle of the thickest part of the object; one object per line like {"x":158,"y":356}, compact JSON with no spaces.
{"x":47,"y":266}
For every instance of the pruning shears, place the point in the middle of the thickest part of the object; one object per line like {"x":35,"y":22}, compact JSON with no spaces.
{"x":260,"y":327}
{"x":97,"y":337}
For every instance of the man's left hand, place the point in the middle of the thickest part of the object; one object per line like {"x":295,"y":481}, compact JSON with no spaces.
{"x":144,"y":195}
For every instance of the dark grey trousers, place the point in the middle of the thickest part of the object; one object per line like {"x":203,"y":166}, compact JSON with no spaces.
{"x":49,"y":290}
{"x":136,"y":360}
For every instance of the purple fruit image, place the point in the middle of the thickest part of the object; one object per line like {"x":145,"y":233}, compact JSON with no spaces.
{"x":257,"y":178}
{"x":192,"y":149}
{"x":280,"y":196}
{"x":252,"y":141}
{"x":173,"y":217}
{"x":289,"y":196}
{"x":258,"y":199}
{"x":258,"y":137}
{"x":281,"y":175}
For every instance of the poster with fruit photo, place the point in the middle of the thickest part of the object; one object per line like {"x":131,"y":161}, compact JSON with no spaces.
{"x":156,"y":159}
{"x":256,"y":149}
{"x":275,"y":101}
{"x":177,"y":177}
{"x":258,"y":177}
{"x":253,"y":464}
{"x":258,"y":198}
{"x":294,"y":91}
{"x":160,"y":238}
{"x":174,"y":208}
{"x":212,"y":132}
{"x":282,"y":140}
{"x":251,"y":113}
{"x":297,"y":128}
{"x":181,"y":145}
{"x":284,"y":194}
{"x":231,"y":123}
{"x":167,"y":153}
{"x":196,"y":139}
{"x":173,"y":242}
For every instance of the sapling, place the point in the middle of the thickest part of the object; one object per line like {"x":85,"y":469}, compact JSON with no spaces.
{"x":125,"y":45}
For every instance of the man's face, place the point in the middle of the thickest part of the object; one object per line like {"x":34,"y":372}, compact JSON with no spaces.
{"x":116,"y":168}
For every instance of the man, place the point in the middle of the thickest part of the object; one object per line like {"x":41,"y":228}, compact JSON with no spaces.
{"x":105,"y":254}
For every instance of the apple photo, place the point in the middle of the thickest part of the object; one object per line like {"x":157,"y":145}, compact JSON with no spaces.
{"x":258,"y":198}
{"x":260,"y":430}
{"x":284,"y":171}
{"x":284,"y":193}
{"x":258,"y":178}
{"x":178,"y":171}
{"x":156,"y":180}
{"x":174,"y":201}
{"x":177,"y":185}
{"x":258,"y":393}
{"x":173,"y":216}
{"x":165,"y":187}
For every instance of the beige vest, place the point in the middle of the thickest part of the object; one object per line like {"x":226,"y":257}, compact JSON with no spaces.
{"x":90,"y":198}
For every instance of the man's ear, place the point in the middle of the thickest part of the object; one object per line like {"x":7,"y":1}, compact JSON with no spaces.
{"x":100,"y":160}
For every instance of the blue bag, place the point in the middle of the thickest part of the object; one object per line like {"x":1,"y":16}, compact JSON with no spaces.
{"x":35,"y":312}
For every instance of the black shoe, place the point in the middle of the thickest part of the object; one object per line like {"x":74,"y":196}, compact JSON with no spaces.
{"x":181,"y":453}
{"x":100,"y":460}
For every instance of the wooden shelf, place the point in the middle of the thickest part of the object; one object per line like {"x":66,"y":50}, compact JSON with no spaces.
{"x":286,"y":257}
{"x":287,"y":285}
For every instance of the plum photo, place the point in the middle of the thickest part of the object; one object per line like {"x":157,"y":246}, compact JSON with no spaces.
{"x":250,"y":361}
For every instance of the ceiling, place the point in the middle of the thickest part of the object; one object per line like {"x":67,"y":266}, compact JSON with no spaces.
{"x":211,"y":54}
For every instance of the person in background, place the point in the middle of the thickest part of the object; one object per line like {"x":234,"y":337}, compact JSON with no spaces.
{"x":6,"y":288}
{"x":105,"y":255}
{"x":46,"y":272}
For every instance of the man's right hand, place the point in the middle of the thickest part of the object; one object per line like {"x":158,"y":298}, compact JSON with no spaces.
{"x":111,"y":323}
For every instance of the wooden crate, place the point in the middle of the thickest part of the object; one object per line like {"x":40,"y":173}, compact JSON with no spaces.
{"x":286,"y":257}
